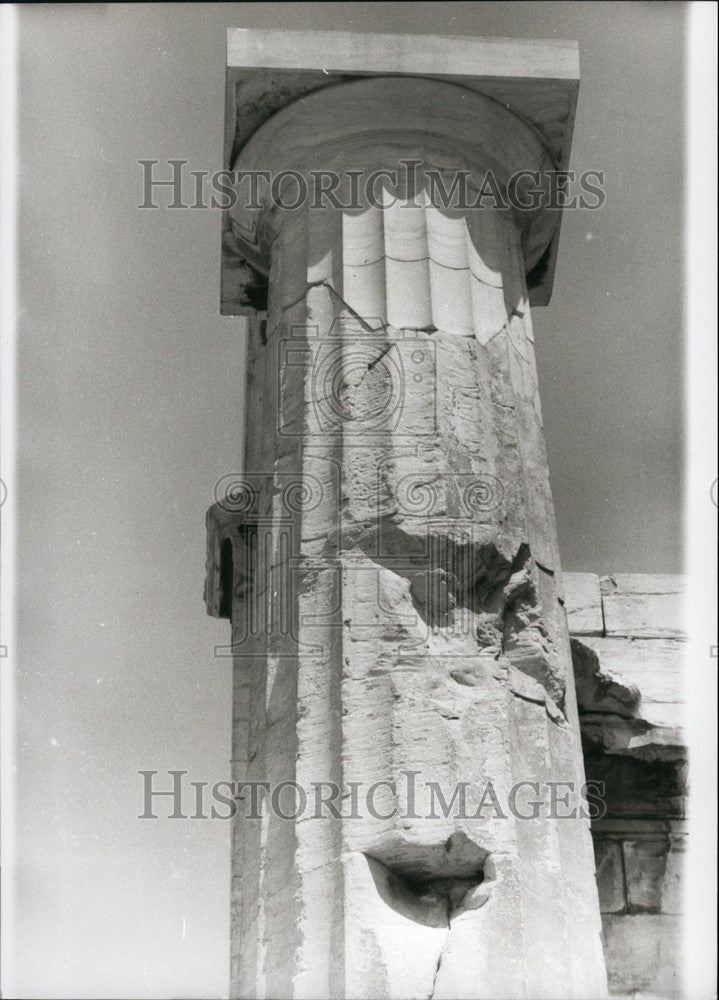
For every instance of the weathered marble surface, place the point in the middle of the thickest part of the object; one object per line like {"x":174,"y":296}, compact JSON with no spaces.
{"x":643,"y":606}
{"x":389,"y":561}
{"x":630,"y":693}
{"x":633,"y":605}
{"x":583,"y":603}
{"x":639,"y":865}
{"x":643,"y":953}
{"x":653,"y":669}
{"x":391,"y":569}
{"x":444,"y":650}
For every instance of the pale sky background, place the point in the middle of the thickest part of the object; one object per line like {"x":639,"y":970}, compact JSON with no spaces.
{"x":130,"y":408}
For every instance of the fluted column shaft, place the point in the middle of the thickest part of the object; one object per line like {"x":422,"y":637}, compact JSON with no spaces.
{"x":398,"y":609}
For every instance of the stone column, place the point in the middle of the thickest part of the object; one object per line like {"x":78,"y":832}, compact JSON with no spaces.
{"x":396,"y":603}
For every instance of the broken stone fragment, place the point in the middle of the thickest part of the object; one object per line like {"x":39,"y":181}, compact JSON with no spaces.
{"x":598,"y":689}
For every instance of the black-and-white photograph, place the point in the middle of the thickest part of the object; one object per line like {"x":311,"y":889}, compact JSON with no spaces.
{"x":358,"y":499}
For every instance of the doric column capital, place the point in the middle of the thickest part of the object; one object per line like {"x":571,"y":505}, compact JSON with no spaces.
{"x":314,"y":100}
{"x":368,"y":143}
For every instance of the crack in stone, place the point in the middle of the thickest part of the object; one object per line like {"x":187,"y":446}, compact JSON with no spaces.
{"x":379,"y":357}
{"x":441,"y":954}
{"x":431,"y":260}
{"x":433,"y":884}
{"x":383,"y":324}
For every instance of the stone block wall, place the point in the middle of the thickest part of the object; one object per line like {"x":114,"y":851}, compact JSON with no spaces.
{"x":639,"y":866}
{"x":628,"y":648}
{"x":629,"y":605}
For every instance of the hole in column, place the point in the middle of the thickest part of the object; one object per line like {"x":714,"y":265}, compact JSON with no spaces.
{"x":429,"y":883}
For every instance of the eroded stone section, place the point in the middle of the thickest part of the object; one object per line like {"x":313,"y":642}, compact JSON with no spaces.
{"x":598,"y":689}
{"x":528,"y":642}
{"x":630,"y":694}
